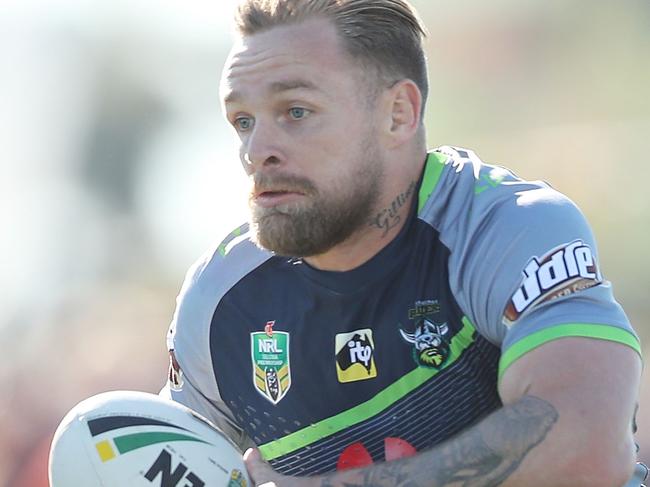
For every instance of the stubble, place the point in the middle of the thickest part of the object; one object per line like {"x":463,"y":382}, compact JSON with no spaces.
{"x":327,"y":216}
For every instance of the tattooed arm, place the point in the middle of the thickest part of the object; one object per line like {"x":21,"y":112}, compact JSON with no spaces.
{"x":566,"y":422}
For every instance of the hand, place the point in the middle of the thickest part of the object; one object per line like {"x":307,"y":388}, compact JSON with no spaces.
{"x":263,"y":475}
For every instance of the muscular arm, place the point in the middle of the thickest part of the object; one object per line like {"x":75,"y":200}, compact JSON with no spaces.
{"x":483,"y":455}
{"x":566,"y":421}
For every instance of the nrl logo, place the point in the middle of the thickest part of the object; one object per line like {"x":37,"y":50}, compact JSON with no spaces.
{"x":270,"y":356}
{"x":430,"y":343}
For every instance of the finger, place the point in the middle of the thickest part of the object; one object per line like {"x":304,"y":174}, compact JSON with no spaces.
{"x":260,"y":472}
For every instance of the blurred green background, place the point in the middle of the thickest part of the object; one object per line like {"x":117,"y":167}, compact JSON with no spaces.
{"x":117,"y":170}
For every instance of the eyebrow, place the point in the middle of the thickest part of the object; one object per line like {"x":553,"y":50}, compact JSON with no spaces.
{"x":277,"y":87}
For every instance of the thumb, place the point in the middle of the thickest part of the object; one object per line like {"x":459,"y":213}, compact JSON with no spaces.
{"x":260,"y":472}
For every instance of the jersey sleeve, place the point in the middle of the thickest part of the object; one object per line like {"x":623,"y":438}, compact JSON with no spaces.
{"x":192,"y":380}
{"x":524,"y":266}
{"x":214,"y":411}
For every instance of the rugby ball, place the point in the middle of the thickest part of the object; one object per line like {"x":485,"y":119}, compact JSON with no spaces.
{"x":127,"y":438}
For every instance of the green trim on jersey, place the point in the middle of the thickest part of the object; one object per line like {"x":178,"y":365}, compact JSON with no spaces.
{"x":387,"y":397}
{"x":223,"y":246}
{"x":587,"y":330}
{"x":432,"y":171}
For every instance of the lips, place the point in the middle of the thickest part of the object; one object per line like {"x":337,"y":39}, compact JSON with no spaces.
{"x":274,"y":197}
{"x":273,"y":190}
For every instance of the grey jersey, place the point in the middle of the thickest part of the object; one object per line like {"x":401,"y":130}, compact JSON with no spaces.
{"x":326,"y":370}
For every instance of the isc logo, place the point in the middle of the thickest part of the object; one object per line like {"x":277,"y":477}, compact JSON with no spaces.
{"x":561,"y":272}
{"x":163,"y":467}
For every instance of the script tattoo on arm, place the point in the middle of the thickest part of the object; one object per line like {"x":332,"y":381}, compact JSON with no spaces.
{"x":485,"y":455}
{"x":390,"y":217}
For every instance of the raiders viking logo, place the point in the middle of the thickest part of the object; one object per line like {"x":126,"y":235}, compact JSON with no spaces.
{"x":430,"y":343}
{"x":270,"y":356}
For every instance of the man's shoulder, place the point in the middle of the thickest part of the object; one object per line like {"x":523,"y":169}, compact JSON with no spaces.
{"x":207,"y":281}
{"x":459,"y":189}
{"x":497,"y":228}
{"x":234,"y":257}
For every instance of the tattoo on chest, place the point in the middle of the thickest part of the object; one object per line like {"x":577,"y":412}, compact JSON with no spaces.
{"x":483,"y":456}
{"x":390,"y":217}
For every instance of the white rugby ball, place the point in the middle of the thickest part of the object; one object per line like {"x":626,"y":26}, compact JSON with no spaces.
{"x":136,"y":439}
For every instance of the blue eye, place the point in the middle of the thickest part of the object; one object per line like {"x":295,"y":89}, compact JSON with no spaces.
{"x":243,"y":123}
{"x":297,"y":113}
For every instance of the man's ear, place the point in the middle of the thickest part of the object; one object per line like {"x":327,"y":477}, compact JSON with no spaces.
{"x":403,"y":105}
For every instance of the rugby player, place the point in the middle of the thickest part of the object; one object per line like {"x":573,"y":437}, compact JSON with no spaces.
{"x":393,"y":315}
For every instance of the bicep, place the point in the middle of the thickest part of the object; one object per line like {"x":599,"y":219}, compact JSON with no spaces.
{"x":593,"y":385}
{"x":584,"y":369}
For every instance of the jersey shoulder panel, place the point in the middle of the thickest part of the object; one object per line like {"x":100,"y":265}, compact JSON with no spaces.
{"x":522,"y":256}
{"x":206,"y":282}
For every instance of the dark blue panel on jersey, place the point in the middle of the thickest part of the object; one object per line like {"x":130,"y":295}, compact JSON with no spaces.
{"x":350,"y":336}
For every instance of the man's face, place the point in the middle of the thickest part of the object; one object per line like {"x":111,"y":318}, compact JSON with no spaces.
{"x":302,"y":113}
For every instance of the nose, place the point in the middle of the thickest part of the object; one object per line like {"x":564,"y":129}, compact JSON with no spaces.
{"x":261,"y":147}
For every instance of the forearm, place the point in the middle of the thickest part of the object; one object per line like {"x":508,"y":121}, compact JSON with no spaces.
{"x":486,"y":454}
{"x":579,"y":434}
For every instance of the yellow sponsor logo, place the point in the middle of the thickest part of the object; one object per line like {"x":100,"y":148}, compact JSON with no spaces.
{"x":355,"y":356}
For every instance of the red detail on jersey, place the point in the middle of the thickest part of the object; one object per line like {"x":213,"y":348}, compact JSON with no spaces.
{"x":175,"y":375}
{"x":268,"y":328}
{"x":396,"y":448}
{"x":354,"y":456}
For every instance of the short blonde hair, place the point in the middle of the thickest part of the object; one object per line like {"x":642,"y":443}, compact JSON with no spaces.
{"x":385,"y":36}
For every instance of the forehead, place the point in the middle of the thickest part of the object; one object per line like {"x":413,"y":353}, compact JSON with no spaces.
{"x":308,"y":55}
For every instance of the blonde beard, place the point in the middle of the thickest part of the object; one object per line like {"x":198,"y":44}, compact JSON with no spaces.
{"x":325,"y":219}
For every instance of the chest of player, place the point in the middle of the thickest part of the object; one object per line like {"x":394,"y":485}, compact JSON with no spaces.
{"x":300,"y":363}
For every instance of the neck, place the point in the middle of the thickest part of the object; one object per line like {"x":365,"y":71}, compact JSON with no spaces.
{"x":385,"y":224}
